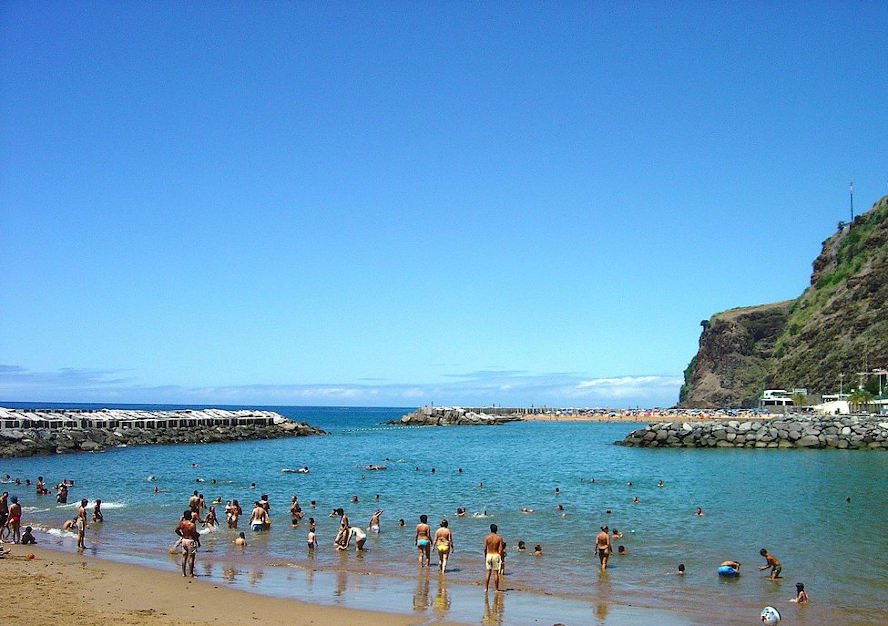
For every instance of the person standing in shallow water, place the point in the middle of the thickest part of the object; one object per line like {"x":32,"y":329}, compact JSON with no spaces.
{"x":188,"y":532}
{"x":493,"y":557}
{"x":423,"y":541}
{"x":443,"y":544}
{"x":603,"y":546}
{"x":81,"y":524}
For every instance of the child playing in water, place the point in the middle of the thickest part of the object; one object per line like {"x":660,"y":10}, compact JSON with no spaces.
{"x":801,"y":594}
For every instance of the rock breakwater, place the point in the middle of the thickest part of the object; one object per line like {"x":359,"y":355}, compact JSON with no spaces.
{"x":840,"y":432}
{"x":451,"y":416}
{"x":31,"y":433}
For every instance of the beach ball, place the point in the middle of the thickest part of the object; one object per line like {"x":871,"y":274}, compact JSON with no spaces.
{"x":31,"y":556}
{"x":770,"y":615}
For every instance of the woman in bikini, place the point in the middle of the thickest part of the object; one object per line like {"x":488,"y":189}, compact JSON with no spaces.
{"x":423,"y":540}
{"x":443,"y":544}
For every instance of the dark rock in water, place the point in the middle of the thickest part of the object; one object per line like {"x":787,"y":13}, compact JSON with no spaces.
{"x":846,"y":432}
{"x":451,"y":416}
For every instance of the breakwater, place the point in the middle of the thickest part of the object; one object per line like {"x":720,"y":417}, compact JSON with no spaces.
{"x":26,"y":432}
{"x":841,"y":432}
{"x":452,"y":416}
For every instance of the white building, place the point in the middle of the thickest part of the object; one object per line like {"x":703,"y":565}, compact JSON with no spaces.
{"x":779,"y":397}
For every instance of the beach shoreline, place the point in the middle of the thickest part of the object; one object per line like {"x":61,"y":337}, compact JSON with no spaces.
{"x":90,"y":589}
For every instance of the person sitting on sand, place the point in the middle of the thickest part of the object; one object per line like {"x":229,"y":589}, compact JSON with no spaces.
{"x":801,"y":594}
{"x":28,"y":537}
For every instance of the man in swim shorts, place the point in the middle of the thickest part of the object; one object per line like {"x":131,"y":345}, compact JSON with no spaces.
{"x":772,"y":562}
{"x":603,"y":546}
{"x":443,"y":544}
{"x":258,"y":518}
{"x":187,"y":530}
{"x":493,"y":556}
{"x":423,"y":541}
{"x":81,"y":523}
{"x":374,"y":521}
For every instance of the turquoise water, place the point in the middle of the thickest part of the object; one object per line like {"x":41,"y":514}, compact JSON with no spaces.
{"x":792,"y":502}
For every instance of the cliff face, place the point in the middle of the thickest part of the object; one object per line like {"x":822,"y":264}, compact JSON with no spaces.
{"x":838,"y":325}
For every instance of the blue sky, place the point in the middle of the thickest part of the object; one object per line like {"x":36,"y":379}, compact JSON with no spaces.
{"x":395,"y":204}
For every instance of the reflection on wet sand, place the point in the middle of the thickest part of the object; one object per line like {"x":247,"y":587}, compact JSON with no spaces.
{"x":442,"y":601}
{"x":254,"y":576}
{"x":341,"y":583}
{"x":230,"y":574}
{"x":421,"y":593}
{"x":493,"y":614}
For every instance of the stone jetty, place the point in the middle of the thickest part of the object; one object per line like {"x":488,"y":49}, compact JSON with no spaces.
{"x":452,"y":416}
{"x":853,"y":432}
{"x":27,"y":432}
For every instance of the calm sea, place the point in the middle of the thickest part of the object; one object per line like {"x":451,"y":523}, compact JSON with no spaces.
{"x":792,"y":502}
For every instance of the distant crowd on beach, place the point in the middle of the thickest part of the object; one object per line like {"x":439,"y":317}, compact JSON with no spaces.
{"x":200,"y":518}
{"x":642,"y":415}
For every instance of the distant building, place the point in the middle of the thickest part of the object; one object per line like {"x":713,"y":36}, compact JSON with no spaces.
{"x":779,"y":397}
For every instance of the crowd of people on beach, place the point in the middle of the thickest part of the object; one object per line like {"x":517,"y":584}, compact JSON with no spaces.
{"x":201,"y":518}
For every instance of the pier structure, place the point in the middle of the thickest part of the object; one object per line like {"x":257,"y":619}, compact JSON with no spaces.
{"x":125,"y":418}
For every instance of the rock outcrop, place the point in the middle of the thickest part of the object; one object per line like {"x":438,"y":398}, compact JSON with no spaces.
{"x":840,"y":432}
{"x":839,"y":325}
{"x":451,"y":416}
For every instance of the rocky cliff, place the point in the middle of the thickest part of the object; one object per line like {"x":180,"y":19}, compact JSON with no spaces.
{"x":839,"y":325}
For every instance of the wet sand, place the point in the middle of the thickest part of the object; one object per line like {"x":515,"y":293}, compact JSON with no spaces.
{"x":65,"y":588}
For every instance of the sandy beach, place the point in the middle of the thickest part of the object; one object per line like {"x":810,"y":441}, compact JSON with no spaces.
{"x":83,"y":589}
{"x":642,"y":415}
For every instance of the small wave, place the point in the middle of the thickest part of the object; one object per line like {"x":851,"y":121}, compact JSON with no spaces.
{"x":57,"y":532}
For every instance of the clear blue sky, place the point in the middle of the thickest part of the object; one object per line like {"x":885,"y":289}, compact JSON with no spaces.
{"x":402,"y":203}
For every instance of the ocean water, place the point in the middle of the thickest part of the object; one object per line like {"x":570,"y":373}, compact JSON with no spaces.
{"x":793,"y":502}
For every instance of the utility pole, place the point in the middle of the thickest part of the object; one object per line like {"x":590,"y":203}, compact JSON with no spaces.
{"x":851,"y":190}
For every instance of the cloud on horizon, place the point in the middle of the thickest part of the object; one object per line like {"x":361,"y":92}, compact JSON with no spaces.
{"x":479,"y":388}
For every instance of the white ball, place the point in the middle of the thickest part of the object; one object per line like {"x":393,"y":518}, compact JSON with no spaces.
{"x":770,"y":615}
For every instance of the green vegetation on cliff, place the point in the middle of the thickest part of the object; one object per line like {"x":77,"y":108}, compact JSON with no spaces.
{"x":839,"y":325}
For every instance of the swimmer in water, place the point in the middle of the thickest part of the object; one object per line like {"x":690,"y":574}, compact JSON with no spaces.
{"x":681,"y":569}
{"x":616,"y":534}
{"x":734,"y":565}
{"x":521,"y":546}
{"x":524,"y":509}
{"x":635,"y":500}
{"x":374,"y":521}
{"x":621,"y":550}
{"x":312,"y":536}
{"x":241,"y":540}
{"x":659,"y":483}
{"x":423,"y":541}
{"x":801,"y":595}
{"x":537,"y":550}
{"x":443,"y":544}
{"x":97,"y":512}
{"x":698,"y":512}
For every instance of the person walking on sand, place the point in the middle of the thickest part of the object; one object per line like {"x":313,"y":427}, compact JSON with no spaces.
{"x":81,"y":524}
{"x":443,"y":544}
{"x":493,"y":555}
{"x":603,"y":546}
{"x":423,"y":541}
{"x":4,"y":514}
{"x":187,"y":531}
{"x":772,"y":562}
